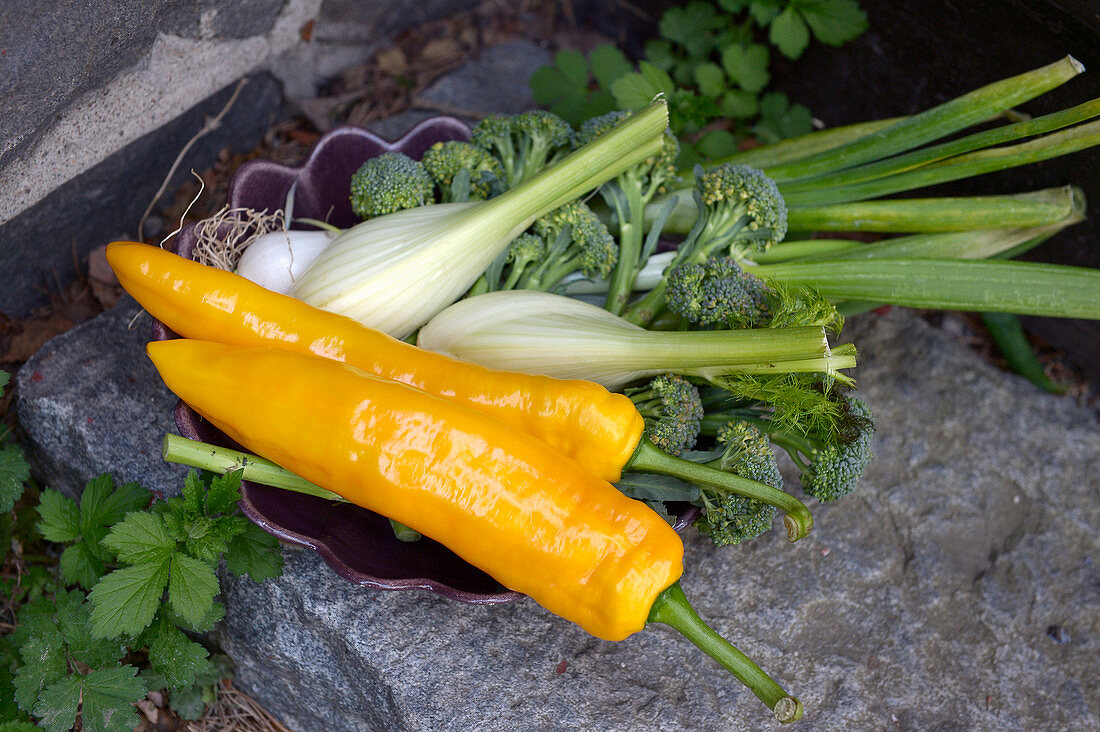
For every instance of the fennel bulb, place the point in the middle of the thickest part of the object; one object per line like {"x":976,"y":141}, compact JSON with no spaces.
{"x":396,"y":271}
{"x":542,"y":333}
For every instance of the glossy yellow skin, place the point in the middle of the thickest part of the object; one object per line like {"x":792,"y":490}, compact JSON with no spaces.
{"x":504,"y":501}
{"x":597,"y":428}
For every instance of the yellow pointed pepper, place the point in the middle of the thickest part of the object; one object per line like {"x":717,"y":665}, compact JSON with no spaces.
{"x":504,"y":501}
{"x":601,"y":430}
{"x":536,"y":521}
{"x":598,"y":428}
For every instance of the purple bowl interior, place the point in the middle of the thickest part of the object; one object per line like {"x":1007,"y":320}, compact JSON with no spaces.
{"x":358,"y":544}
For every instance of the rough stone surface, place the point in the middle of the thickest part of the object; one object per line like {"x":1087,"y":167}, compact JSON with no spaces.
{"x":90,"y":402}
{"x":39,"y":246}
{"x":83,"y":93}
{"x":958,"y":590}
{"x":477,"y":88}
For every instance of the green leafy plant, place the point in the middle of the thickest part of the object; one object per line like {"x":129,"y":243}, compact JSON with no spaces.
{"x":711,"y":63}
{"x":14,"y":471}
{"x":65,"y":659}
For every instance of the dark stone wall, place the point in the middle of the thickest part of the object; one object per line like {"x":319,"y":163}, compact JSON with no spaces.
{"x":55,"y":52}
{"x":40,"y":246}
{"x":52,"y":52}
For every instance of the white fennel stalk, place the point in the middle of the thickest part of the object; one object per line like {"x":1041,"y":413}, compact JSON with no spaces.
{"x":394,"y":272}
{"x":542,"y":333}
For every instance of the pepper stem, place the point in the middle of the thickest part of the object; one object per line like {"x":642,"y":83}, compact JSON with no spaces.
{"x":648,"y":458}
{"x":672,"y":608}
{"x":216,"y":459}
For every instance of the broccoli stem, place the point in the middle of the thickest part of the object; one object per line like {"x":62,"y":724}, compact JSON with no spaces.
{"x":205,"y":456}
{"x":630,"y":212}
{"x":648,"y":458}
{"x":636,"y":139}
{"x":672,"y":608}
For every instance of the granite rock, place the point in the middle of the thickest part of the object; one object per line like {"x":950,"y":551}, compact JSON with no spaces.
{"x":957,"y":590}
{"x":90,"y":402}
{"x":476,"y":89}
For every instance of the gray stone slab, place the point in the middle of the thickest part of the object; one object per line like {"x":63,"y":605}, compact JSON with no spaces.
{"x":959,"y":589}
{"x":40,"y":246}
{"x":56,"y":51}
{"x":477,"y":89}
{"x":90,"y":402}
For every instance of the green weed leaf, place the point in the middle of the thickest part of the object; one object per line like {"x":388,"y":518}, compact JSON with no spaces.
{"x":124,"y":602}
{"x":192,"y":586}
{"x":102,"y":504}
{"x":740,"y":104}
{"x":256,"y":553}
{"x":57,"y":706}
{"x":14,"y":474}
{"x":747,"y":65}
{"x":608,"y":63}
{"x":789,"y":33}
{"x":834,"y":21}
{"x":79,"y":566}
{"x":43,"y":664}
{"x":106,"y":699}
{"x":764,"y":11}
{"x":633,"y":91}
{"x":141,"y":538}
{"x":224,"y":492}
{"x":710,"y":79}
{"x":60,"y":517}
{"x":177,"y":658}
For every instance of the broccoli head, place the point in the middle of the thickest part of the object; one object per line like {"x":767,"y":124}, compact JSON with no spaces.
{"x":718,"y":292}
{"x":832,"y":464}
{"x":656,"y":173}
{"x":672,"y":410}
{"x":522,"y":257}
{"x":731,"y":518}
{"x":578,"y":240}
{"x":740,"y":203}
{"x":444,"y":161}
{"x":390,"y":182}
{"x":523,"y":143}
{"x":739,"y":210}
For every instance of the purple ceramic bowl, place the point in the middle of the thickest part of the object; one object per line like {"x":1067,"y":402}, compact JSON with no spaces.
{"x":358,"y":544}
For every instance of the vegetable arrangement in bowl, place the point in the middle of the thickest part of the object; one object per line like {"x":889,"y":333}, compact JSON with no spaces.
{"x":506,"y":431}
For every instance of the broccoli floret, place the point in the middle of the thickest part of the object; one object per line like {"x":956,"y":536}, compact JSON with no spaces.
{"x":524,"y":254}
{"x":672,"y":411}
{"x":730,"y":518}
{"x":718,"y":292}
{"x":832,"y":463}
{"x":444,"y":161}
{"x":627,"y":195}
{"x":523,"y":143}
{"x":390,"y":182}
{"x":739,"y":211}
{"x":738,"y":204}
{"x":576,"y":240}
